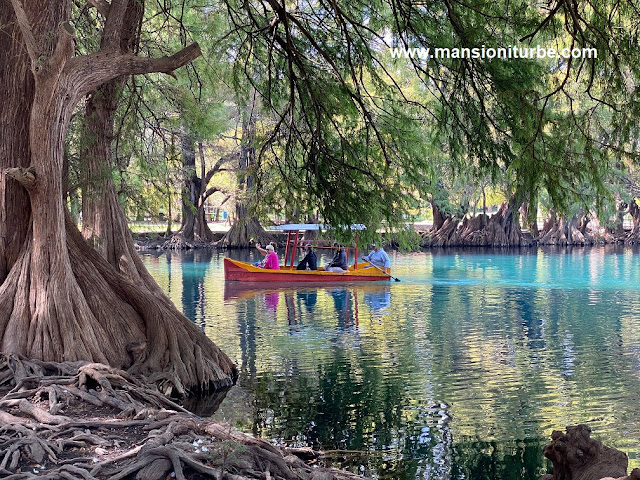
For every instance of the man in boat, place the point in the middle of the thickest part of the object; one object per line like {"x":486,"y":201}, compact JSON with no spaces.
{"x":339,"y":262}
{"x":310,"y":260}
{"x":378,"y":258}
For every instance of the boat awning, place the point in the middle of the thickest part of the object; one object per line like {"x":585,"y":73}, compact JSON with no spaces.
{"x":292,"y":227}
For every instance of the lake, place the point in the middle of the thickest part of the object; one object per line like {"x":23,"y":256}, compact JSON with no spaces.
{"x":459,"y":371}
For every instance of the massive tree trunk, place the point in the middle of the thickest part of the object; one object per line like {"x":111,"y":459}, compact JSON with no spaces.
{"x":500,"y":230}
{"x":246,"y":227}
{"x":195,"y":192}
{"x":191,"y":186}
{"x":17,"y":88}
{"x":443,"y":228}
{"x":103,"y":222}
{"x":564,"y":231}
{"x":61,"y":300}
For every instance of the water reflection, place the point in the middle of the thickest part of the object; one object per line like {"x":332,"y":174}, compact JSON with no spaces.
{"x":462,"y":370}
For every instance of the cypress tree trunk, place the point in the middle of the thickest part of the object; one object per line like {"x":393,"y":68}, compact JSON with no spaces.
{"x":104,"y":225}
{"x":17,"y":88}
{"x":191,"y":186}
{"x":61,"y":300}
{"x":246,"y":227}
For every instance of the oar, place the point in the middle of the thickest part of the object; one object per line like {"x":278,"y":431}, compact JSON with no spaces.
{"x":375,"y":266}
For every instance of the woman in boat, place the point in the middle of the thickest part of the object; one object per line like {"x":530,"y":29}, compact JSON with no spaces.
{"x":264,"y":252}
{"x":271,"y":261}
{"x":310,"y":260}
{"x":339,"y":262}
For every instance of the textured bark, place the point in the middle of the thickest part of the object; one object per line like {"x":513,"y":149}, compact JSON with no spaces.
{"x":500,"y":230}
{"x":191,"y":187}
{"x":577,"y":456}
{"x":103,"y":222}
{"x":562,"y":231}
{"x":246,"y":228}
{"x":438,"y":217}
{"x":62,"y":300}
{"x":196,"y":192}
{"x":634,"y":235}
{"x":16,"y":89}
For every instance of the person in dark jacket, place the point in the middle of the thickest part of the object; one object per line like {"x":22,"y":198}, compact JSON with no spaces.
{"x":310,"y":261}
{"x":339,"y":262}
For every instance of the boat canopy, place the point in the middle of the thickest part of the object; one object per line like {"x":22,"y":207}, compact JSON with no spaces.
{"x":294,"y":227}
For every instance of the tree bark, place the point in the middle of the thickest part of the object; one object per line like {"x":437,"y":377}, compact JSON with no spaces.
{"x":103,"y":223}
{"x":246,"y":228}
{"x":634,"y":235}
{"x":562,"y":231}
{"x":61,"y":300}
{"x":500,"y":230}
{"x":195,"y":192}
{"x":17,"y":88}
{"x":191,"y":188}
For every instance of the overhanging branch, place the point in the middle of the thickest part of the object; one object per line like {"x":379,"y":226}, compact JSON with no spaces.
{"x":100,"y":5}
{"x":88,"y":72}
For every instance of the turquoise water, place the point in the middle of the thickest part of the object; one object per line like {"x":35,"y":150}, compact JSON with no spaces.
{"x":460,"y":371}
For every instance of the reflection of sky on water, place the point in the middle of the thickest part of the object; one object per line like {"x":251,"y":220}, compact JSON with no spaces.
{"x":463,"y":367}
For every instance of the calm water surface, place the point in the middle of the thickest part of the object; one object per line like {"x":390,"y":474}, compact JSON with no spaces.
{"x":460,"y":371}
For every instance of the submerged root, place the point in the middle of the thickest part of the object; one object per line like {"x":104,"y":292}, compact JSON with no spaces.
{"x":109,"y":424}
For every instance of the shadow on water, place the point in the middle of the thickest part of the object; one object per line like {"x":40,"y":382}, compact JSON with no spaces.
{"x":204,"y":405}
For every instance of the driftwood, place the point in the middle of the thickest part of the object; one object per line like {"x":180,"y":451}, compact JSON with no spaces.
{"x":89,"y":421}
{"x":577,"y":456}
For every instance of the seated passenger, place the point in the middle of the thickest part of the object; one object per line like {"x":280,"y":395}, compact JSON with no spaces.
{"x":271,"y":261}
{"x":310,"y":260}
{"x":339,"y":262}
{"x":378,"y":258}
{"x":264,"y":252}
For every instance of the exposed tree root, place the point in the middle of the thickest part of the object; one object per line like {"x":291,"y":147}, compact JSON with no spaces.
{"x":245,"y":232}
{"x":577,"y":456}
{"x":90,"y":311}
{"x":500,"y":230}
{"x":109,"y":424}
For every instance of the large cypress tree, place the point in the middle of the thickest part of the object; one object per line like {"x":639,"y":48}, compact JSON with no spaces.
{"x":59,"y":299}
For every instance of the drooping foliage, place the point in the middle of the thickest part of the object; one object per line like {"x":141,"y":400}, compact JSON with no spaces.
{"x":349,"y":138}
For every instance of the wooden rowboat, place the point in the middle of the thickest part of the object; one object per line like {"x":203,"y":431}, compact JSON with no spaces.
{"x":237,"y":271}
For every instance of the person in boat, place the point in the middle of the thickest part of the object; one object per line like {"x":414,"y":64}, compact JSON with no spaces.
{"x":271,"y":261}
{"x":310,"y":261}
{"x":339,"y":262}
{"x":378,"y":258}
{"x":264,"y":252}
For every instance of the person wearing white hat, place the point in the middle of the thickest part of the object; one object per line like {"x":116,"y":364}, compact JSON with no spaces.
{"x":271,"y":261}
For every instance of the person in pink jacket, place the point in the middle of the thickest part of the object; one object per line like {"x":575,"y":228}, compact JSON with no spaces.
{"x":271,"y":260}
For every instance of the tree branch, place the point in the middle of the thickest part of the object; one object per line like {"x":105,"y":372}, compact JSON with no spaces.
{"x":102,"y":6}
{"x":88,"y":72}
{"x":27,"y":32}
{"x":25,"y":176}
{"x":211,"y":191}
